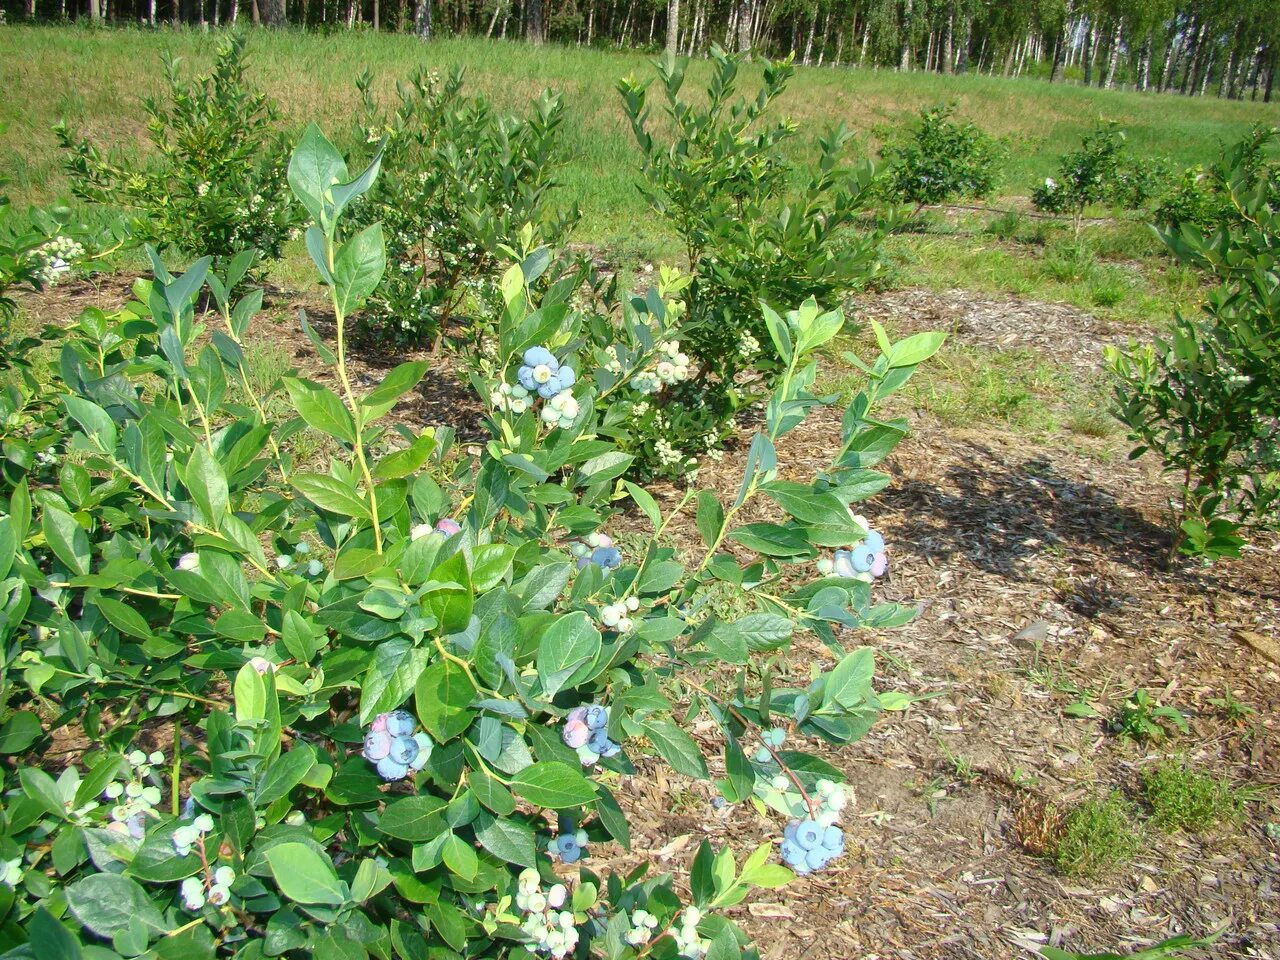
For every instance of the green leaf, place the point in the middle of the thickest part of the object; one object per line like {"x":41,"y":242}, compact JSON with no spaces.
{"x":41,"y":788}
{"x":710,"y":517}
{"x":391,"y":677}
{"x":207,"y":485}
{"x":508,"y":839}
{"x":284,"y":773}
{"x":66,"y":538}
{"x":321,"y":408}
{"x":19,"y":732}
{"x":848,"y":684}
{"x":330,"y":493}
{"x":644,"y":500}
{"x":95,"y":421}
{"x":553,"y":784}
{"x":358,"y":268}
{"x":676,"y":747}
{"x":314,"y":168}
{"x":108,"y":904}
{"x":124,"y":618}
{"x":50,"y":940}
{"x":412,"y":818}
{"x":394,"y":385}
{"x":915,"y":349}
{"x":305,"y":876}
{"x":607,"y":466}
{"x":460,"y":857}
{"x":771,"y":539}
{"x":568,"y":650}
{"x":443,"y":695}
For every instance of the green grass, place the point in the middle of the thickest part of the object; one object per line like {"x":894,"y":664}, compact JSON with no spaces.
{"x":1184,"y":799}
{"x":94,"y":78}
{"x":1098,"y":835}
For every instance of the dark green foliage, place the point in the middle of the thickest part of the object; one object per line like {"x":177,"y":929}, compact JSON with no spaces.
{"x":459,"y":183}
{"x":944,"y":160}
{"x":1102,"y":171}
{"x":1207,"y":399}
{"x":1141,"y":718}
{"x":1204,"y":198}
{"x":218,"y":184}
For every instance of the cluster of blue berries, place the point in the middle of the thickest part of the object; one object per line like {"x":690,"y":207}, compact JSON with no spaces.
{"x":865,"y":561}
{"x":597,"y":549}
{"x":586,"y":731}
{"x":808,"y":845}
{"x":570,"y":844}
{"x":543,"y":374}
{"x":394,"y":747}
{"x":134,"y":799}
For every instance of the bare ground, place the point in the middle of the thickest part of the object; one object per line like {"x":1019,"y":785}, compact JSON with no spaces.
{"x":1033,"y":562}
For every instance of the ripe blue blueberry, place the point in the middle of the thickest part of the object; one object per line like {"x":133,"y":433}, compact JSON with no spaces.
{"x":816,"y":859}
{"x":567,"y":847}
{"x":607,"y":558}
{"x":809,"y":834}
{"x":862,"y":558}
{"x":597,"y":717}
{"x":874,"y":542}
{"x":404,"y":750}
{"x":388,"y":769}
{"x":400,"y":723}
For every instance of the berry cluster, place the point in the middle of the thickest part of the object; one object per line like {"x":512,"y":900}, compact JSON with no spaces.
{"x":543,"y":374}
{"x":671,"y":368}
{"x":56,"y":257}
{"x":393,"y":746}
{"x":617,"y":616}
{"x":446,"y":527}
{"x":586,"y":731}
{"x":550,"y":928}
{"x":299,"y":556}
{"x":512,"y":397}
{"x":863,"y":562}
{"x":774,"y":738}
{"x":186,"y":838}
{"x":597,"y":549}
{"x":136,"y":798}
{"x":809,"y":846}
{"x":215,"y":890}
{"x":570,"y":843}
{"x":686,"y":936}
{"x":643,"y":925}
{"x":560,"y":411}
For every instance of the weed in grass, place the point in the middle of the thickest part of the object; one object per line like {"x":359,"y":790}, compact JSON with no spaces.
{"x":1069,"y":262}
{"x":1108,"y":288}
{"x":1181,"y":798}
{"x":1089,"y":421}
{"x":1097,"y":835}
{"x":1231,"y":708}
{"x":962,"y":767}
{"x":1141,"y":718}
{"x":1006,"y":226}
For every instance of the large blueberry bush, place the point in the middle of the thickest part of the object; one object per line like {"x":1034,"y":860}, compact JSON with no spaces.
{"x":942,"y":160}
{"x":755,"y":226}
{"x":378,"y":704}
{"x":216,"y":184}
{"x":459,"y":184}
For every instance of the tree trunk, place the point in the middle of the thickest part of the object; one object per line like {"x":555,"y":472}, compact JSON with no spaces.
{"x":95,"y":10}
{"x":673,"y":27}
{"x":826,"y":31}
{"x":948,"y":41}
{"x":534,"y":30}
{"x":1271,"y":78}
{"x":904,"y":58}
{"x":744,"y":26}
{"x":1144,"y":64}
{"x":1193,"y":60}
{"x":273,"y":13}
{"x":813,"y":31}
{"x":422,"y":19}
{"x":966,"y":38}
{"x":1113,"y":57}
{"x":493,"y":21}
{"x":1090,"y":44}
{"x":1058,"y":72}
{"x":866,"y":37}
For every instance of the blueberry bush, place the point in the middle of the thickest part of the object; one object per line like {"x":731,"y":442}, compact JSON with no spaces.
{"x":756,"y":226}
{"x":1103,"y":171}
{"x":943,"y":160}
{"x":459,"y":183}
{"x":1206,"y":399}
{"x":1204,"y":197}
{"x":371,"y":703}
{"x":217,"y":183}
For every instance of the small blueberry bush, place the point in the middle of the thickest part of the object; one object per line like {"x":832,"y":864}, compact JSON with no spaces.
{"x":217,"y":185}
{"x":943,"y":160}
{"x":1204,"y":198}
{"x":459,"y":184}
{"x":1102,"y":171}
{"x":376,"y":703}
{"x":1206,"y":400}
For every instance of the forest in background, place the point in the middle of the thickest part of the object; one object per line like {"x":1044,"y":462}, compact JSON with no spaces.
{"x":1224,"y":48}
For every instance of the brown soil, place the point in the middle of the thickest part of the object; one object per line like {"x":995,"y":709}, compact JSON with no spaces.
{"x":1033,"y":562}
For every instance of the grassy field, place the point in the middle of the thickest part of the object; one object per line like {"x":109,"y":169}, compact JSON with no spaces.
{"x":94,"y":79}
